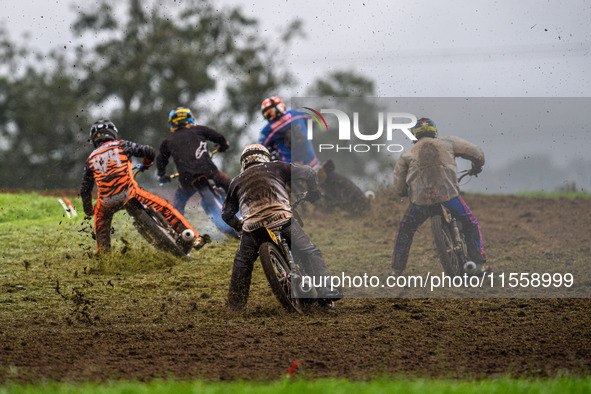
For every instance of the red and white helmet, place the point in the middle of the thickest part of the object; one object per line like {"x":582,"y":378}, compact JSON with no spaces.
{"x":255,"y":153}
{"x":272,"y":108}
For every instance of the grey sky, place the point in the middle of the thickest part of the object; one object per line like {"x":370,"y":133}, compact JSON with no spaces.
{"x":433,"y":49}
{"x":411,"y":48}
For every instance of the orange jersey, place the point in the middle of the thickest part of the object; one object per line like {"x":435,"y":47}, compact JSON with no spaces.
{"x":110,"y":167}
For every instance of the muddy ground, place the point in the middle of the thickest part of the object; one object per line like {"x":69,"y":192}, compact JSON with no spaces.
{"x":451,"y":338}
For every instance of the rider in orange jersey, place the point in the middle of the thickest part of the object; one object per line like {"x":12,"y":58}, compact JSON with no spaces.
{"x":110,"y":167}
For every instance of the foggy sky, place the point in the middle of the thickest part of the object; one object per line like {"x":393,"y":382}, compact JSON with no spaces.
{"x":410,"y":48}
{"x":416,"y":49}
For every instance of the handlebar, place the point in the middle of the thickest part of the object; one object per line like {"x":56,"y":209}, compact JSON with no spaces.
{"x":137,"y":169}
{"x":466,"y":173}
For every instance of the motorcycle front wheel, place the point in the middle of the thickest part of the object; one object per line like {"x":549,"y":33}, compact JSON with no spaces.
{"x":278,"y":273}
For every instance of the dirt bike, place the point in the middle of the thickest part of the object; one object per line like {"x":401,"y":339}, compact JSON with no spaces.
{"x":338,"y":191}
{"x":450,"y":240}
{"x":155,"y":228}
{"x":284,"y":274}
{"x":212,"y":200}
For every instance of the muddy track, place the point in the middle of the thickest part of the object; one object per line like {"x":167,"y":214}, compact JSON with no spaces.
{"x":457,"y":338}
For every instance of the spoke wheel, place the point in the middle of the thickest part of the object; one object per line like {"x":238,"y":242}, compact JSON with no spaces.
{"x":278,"y":273}
{"x":451,"y":262}
{"x":155,"y":229}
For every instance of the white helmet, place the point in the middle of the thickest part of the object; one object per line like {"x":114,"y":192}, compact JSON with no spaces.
{"x":255,"y":153}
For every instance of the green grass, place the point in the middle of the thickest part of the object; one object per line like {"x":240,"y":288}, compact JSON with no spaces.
{"x":24,"y":207}
{"x":49,"y":265}
{"x":504,"y":386}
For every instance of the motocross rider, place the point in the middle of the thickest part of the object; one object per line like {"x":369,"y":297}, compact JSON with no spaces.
{"x":285,"y":134}
{"x":259,"y":192}
{"x":188,"y":147}
{"x":427,"y":174}
{"x":110,"y":166}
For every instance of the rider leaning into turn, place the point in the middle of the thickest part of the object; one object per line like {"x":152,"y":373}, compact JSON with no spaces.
{"x":110,"y":166}
{"x":260,"y":193}
{"x":286,"y":133}
{"x":188,"y":147}
{"x":427,"y":174}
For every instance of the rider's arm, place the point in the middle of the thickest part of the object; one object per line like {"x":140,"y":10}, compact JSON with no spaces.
{"x":468,"y":151}
{"x":299,"y":171}
{"x":267,"y":140}
{"x":86,"y":190}
{"x":215,"y":137}
{"x":137,"y":150}
{"x":266,"y":136}
{"x":145,"y":151}
{"x":400,"y":172}
{"x":306,"y":173}
{"x":231,"y":207}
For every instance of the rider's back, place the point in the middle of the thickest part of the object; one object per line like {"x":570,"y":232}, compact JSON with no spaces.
{"x":427,"y":172}
{"x":188,"y":148}
{"x":261,"y":193}
{"x":288,"y":135}
{"x":110,"y":166}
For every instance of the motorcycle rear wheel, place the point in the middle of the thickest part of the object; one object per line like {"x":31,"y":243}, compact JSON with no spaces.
{"x":155,"y":229}
{"x":451,"y":262}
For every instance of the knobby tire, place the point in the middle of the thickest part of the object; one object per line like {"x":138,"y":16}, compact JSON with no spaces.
{"x":277,"y":271}
{"x":445,"y":246}
{"x":155,"y":229}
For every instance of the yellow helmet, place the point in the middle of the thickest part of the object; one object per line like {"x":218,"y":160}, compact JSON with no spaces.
{"x":180,"y":117}
{"x":424,"y":128}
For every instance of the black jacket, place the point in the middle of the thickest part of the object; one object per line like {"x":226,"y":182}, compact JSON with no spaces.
{"x":188,"y":148}
{"x":260,"y":193}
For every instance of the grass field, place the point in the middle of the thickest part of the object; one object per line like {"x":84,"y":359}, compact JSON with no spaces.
{"x":376,"y":386}
{"x":140,"y":320}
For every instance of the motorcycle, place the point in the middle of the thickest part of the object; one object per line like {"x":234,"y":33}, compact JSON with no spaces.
{"x":155,"y":228}
{"x":284,"y":273}
{"x":450,"y":241}
{"x":340,"y":191}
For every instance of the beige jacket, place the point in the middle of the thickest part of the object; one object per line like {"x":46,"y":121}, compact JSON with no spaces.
{"x":427,"y":172}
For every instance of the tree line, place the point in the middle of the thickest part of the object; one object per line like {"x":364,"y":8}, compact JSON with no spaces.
{"x":133,"y":67}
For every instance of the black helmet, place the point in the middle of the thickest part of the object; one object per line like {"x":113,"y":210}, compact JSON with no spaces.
{"x":103,"y":130}
{"x":425,"y":127}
